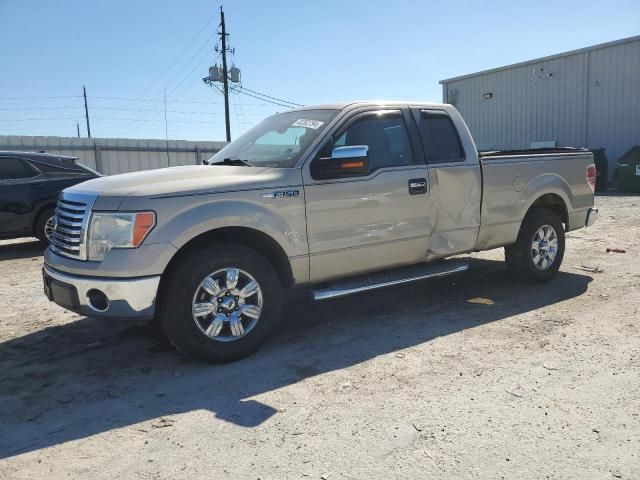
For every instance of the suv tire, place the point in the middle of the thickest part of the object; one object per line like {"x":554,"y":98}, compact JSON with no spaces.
{"x":43,"y":225}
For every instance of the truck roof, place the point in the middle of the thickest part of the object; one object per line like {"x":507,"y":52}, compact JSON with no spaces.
{"x":381,"y":103}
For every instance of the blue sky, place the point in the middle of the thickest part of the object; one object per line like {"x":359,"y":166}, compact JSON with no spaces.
{"x":127,"y":52}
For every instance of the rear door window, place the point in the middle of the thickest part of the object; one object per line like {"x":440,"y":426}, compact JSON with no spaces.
{"x":440,"y":138}
{"x":14,"y":168}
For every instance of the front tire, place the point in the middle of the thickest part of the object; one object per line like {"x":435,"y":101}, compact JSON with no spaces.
{"x":538,"y":252}
{"x":220,"y":303}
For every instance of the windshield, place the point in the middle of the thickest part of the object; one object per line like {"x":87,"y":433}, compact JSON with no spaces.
{"x":277,"y":141}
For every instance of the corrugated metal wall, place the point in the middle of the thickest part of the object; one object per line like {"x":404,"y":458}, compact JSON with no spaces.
{"x":614,"y":99}
{"x":118,"y":155}
{"x":586,"y":99}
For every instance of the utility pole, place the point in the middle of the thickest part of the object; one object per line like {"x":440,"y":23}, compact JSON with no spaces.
{"x":86,"y":110}
{"x":225,"y":74}
{"x":78,"y":128}
{"x":166,"y":127}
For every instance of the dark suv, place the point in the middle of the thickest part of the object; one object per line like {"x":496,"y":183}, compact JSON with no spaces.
{"x":30,"y":184}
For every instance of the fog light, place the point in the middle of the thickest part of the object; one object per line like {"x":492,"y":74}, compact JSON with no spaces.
{"x":97,"y":300}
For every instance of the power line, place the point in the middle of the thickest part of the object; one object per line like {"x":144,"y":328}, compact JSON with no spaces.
{"x":152,"y":120}
{"x":197,"y":65}
{"x":41,"y":108}
{"x":203,"y":45}
{"x":149,"y":99}
{"x":96,"y":118}
{"x":176,"y":59}
{"x":242,"y":87}
{"x":36,"y":119}
{"x":242,"y":114}
{"x":186,"y":89}
{"x":162,"y":110}
{"x":255,"y":96}
{"x":39,"y":97}
{"x":235,"y":111}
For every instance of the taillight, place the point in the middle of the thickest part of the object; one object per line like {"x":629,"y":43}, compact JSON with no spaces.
{"x":591,"y":176}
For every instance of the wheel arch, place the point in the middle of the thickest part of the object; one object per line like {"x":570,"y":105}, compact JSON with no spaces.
{"x":39,"y":211}
{"x":249,"y":237}
{"x":549,"y":191}
{"x":553,"y":202}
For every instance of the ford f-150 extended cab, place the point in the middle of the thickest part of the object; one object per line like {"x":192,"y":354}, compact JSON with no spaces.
{"x":338,"y":198}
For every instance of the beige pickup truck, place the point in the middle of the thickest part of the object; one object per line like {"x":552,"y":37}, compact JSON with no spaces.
{"x":339,"y":199}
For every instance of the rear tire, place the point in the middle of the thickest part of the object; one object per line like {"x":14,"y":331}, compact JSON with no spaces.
{"x":199,"y":283}
{"x":537,"y":254}
{"x":44,"y":226}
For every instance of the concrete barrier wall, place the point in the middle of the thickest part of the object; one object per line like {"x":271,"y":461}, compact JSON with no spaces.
{"x":118,"y":155}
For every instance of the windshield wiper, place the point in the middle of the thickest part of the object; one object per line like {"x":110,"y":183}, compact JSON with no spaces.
{"x":233,"y":161}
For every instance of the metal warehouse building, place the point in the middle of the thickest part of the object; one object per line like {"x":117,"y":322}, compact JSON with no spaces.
{"x":582,"y":98}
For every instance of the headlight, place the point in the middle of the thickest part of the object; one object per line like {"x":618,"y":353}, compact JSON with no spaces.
{"x":117,"y":230}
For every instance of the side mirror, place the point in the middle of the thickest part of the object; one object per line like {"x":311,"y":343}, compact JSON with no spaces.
{"x":344,"y":162}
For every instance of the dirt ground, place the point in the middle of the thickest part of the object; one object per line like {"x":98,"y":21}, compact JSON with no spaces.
{"x":411,"y":382}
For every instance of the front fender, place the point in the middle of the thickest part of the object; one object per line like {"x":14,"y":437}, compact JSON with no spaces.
{"x":181,"y":219}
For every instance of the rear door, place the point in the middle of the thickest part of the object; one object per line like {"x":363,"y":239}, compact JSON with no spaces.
{"x":455,"y":180}
{"x":369,"y":222}
{"x":18,"y":182}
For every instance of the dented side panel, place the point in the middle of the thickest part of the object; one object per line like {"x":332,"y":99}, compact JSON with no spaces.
{"x":456,"y":192}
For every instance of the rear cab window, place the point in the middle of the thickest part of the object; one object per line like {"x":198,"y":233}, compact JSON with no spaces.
{"x":439,"y":136}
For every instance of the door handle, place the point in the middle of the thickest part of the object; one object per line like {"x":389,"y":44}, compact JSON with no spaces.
{"x":417,"y":186}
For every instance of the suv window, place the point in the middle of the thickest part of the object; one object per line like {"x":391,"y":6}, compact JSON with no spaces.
{"x":440,"y":138}
{"x":13,"y":168}
{"x":69,"y":167}
{"x":386,"y":136}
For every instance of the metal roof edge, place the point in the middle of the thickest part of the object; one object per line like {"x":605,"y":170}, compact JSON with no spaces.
{"x":542,"y":59}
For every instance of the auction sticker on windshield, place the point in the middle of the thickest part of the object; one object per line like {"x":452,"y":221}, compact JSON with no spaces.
{"x":314,"y":124}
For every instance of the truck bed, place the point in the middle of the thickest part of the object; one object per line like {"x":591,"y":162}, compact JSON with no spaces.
{"x":514,"y":179}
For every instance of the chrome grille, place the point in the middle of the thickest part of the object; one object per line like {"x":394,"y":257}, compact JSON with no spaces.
{"x":70,"y":225}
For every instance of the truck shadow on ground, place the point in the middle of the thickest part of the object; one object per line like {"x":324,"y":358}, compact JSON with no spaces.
{"x":72,"y":381}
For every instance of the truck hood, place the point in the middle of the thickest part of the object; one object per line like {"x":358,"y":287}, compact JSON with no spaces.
{"x":186,"y":180}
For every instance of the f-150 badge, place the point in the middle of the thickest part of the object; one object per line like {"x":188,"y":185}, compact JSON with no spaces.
{"x":281,"y":194}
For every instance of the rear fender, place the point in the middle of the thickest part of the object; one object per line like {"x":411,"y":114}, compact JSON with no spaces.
{"x":543,"y":185}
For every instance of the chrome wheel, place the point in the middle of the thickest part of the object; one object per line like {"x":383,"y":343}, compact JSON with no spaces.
{"x":544,"y":247}
{"x":49,"y":227}
{"x":227,"y":304}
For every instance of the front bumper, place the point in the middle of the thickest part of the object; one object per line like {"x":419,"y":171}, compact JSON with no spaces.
{"x":102,"y":297}
{"x":592,"y":216}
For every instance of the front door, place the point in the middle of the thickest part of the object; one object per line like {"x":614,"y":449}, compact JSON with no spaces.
{"x":374,"y":221}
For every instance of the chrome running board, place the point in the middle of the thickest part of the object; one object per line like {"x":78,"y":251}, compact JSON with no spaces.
{"x":388,"y":278}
